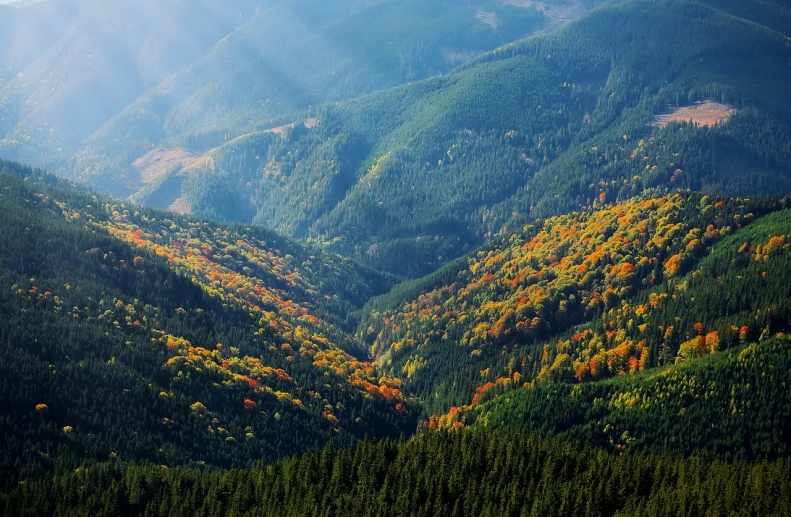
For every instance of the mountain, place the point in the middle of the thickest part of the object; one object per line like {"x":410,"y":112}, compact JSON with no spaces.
{"x":406,"y":179}
{"x":294,"y":55}
{"x":174,"y":342}
{"x":220,"y":343}
{"x":419,"y":130}
{"x":132,"y":350}
{"x":395,"y":258}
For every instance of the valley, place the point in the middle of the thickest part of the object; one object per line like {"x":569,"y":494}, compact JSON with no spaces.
{"x":292,"y":257}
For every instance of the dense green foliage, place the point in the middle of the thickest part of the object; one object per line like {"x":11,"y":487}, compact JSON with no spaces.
{"x":121,"y":334}
{"x":405,"y":173}
{"x":463,"y":473}
{"x":734,"y":404}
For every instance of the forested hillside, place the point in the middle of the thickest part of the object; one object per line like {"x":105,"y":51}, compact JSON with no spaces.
{"x":380,"y":257}
{"x":290,"y":56}
{"x":144,"y":72}
{"x":734,"y":404}
{"x":132,"y":352}
{"x":589,"y":295}
{"x":405,"y":134}
{"x":220,"y":344}
{"x":713,"y":402}
{"x":412,"y":177}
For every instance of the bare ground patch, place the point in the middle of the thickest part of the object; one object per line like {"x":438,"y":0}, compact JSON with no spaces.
{"x":707,"y":113}
{"x":202,"y":163}
{"x":156,"y":163}
{"x":170,"y":192}
{"x":155,"y":188}
{"x":487,"y":17}
{"x":557,"y":11}
{"x":527,"y":4}
{"x":180,"y":206}
{"x":310,"y":123}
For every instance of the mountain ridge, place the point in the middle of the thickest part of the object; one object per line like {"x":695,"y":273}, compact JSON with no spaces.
{"x":437,"y":193}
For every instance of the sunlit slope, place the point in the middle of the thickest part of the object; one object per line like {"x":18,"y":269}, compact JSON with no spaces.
{"x":718,"y":335}
{"x":587,"y":296}
{"x":129,"y":351}
{"x":18,"y":26}
{"x":409,"y":178}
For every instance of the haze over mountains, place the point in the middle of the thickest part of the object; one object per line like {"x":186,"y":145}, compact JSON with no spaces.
{"x":153,"y":40}
{"x":480,"y":257}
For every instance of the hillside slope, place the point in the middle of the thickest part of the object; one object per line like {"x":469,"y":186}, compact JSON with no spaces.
{"x":733,"y":405}
{"x":458,"y":474}
{"x":192,"y":406}
{"x":586,"y":296}
{"x":129,"y":351}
